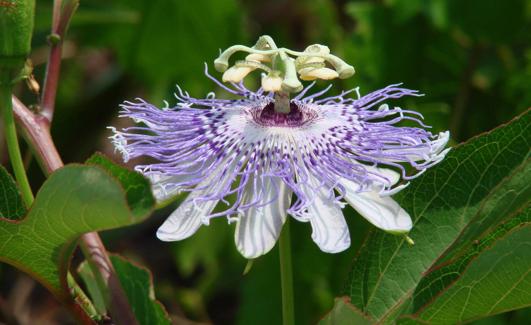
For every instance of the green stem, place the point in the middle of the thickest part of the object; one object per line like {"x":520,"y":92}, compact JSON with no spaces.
{"x":286,"y":276}
{"x":12,"y":144}
{"x":81,"y":298}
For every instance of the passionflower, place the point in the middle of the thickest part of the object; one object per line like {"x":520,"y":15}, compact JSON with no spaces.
{"x":260,"y":163}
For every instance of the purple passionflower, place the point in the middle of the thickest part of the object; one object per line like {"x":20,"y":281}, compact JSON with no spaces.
{"x":324,"y":152}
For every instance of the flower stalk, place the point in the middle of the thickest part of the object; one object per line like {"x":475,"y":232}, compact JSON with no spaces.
{"x":286,"y":276}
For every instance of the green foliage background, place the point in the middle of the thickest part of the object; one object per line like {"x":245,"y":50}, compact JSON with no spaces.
{"x":472,"y":59}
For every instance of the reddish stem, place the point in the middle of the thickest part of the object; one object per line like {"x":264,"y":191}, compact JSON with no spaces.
{"x":61,"y":19}
{"x":36,"y":129}
{"x":37,"y":134}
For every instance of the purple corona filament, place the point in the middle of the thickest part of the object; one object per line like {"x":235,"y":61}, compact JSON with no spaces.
{"x":326,"y":151}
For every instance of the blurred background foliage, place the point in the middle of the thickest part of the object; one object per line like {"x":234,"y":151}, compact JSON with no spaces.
{"x":472,"y":59}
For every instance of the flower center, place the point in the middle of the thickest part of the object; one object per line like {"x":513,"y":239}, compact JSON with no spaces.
{"x":267,"y":116}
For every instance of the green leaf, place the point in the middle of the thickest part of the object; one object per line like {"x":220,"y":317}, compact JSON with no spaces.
{"x":75,"y":199}
{"x":493,"y":277}
{"x":11,"y":204}
{"x":137,"y":283}
{"x":344,"y":313}
{"x":442,"y":202}
{"x":137,"y":188}
{"x":512,"y":195}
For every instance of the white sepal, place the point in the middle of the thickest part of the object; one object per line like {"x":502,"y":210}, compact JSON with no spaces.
{"x":185,"y":221}
{"x":381,"y":211}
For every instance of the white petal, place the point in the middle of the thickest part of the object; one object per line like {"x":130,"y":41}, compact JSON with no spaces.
{"x":329,"y":228}
{"x":381,"y":211}
{"x":391,"y":177}
{"x":258,"y":228}
{"x":189,"y":216}
{"x":185,"y":221}
{"x":440,"y":143}
{"x":435,"y":152}
{"x":166,"y":186}
{"x":161,"y":185}
{"x":438,"y":146}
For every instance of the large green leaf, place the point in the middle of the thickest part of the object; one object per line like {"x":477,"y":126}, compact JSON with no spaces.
{"x":511,"y":196}
{"x":74,"y":200}
{"x":11,"y":204}
{"x":138,"y":286}
{"x":442,"y":203}
{"x":493,"y":277}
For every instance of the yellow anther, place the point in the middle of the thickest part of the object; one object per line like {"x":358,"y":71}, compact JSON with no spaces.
{"x":236,"y":73}
{"x":258,"y":57}
{"x":272,"y":82}
{"x":319,"y":73}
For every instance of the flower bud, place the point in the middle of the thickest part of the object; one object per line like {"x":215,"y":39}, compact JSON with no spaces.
{"x":16,"y":19}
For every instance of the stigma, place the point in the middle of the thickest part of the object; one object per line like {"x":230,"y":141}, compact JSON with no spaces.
{"x":297,"y":116}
